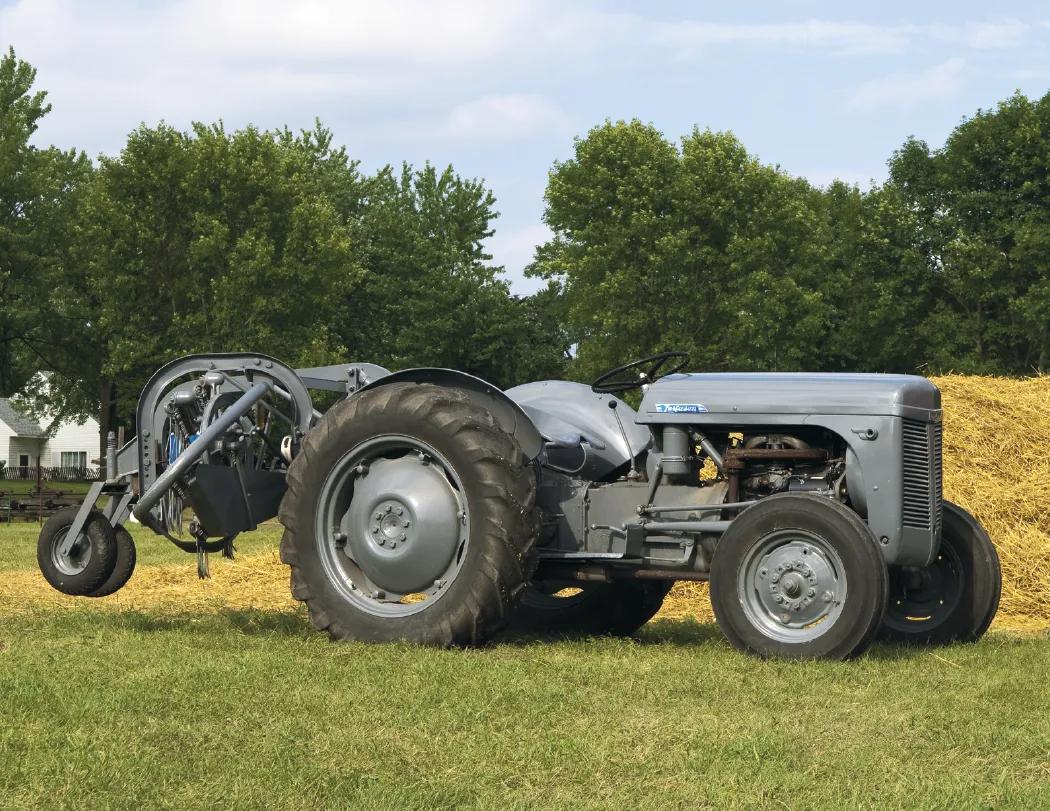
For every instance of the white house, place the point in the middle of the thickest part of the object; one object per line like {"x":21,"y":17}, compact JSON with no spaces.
{"x":25,"y":444}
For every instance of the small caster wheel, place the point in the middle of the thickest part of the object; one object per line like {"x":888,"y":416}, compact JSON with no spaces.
{"x":81,"y":565}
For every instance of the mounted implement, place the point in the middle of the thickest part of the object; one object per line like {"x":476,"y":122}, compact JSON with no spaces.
{"x":430,"y":506}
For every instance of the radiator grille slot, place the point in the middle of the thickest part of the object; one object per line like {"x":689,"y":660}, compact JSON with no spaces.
{"x":922,"y":475}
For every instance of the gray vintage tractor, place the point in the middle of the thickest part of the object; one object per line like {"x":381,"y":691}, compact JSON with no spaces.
{"x":427,"y":505}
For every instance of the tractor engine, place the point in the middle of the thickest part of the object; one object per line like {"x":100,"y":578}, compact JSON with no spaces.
{"x":764,"y":464}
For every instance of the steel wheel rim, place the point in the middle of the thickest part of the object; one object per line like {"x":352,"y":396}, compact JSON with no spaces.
{"x":792,"y":586}
{"x":361,"y":560}
{"x":925,"y":604}
{"x":76,"y":560}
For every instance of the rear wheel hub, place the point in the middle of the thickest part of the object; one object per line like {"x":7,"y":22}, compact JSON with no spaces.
{"x":392,"y":525}
{"x":402,"y":525}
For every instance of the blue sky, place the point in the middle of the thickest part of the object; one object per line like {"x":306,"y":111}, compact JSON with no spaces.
{"x":499,"y":89}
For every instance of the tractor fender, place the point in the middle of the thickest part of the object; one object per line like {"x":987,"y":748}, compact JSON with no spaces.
{"x":505,"y":411}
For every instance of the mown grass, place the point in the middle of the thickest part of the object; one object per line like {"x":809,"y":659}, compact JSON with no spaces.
{"x":25,"y":486}
{"x":107,"y":708}
{"x":19,"y":538}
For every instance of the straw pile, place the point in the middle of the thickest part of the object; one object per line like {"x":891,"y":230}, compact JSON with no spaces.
{"x":997,"y":465}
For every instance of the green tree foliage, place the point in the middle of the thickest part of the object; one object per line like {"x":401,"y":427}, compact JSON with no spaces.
{"x":699,"y":246}
{"x":38,"y":195}
{"x":205,"y":241}
{"x":983,"y":206}
{"x":429,"y":296}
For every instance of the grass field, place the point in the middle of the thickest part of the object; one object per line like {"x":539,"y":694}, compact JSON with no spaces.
{"x":218,"y":707}
{"x":23,"y":486}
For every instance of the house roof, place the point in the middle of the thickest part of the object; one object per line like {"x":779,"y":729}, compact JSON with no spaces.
{"x":17,"y":421}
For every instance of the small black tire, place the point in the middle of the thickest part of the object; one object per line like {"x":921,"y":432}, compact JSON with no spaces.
{"x":89,"y":564}
{"x":779,"y":573}
{"x":124,"y":567}
{"x":617,"y":608}
{"x":499,"y":491}
{"x":956,"y":597}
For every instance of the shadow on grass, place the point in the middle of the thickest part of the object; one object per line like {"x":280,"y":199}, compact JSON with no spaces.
{"x":680,"y":632}
{"x":684,"y":633}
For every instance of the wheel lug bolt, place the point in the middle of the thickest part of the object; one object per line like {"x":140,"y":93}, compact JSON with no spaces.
{"x":403,"y":537}
{"x":811,"y":592}
{"x":406,"y":523}
{"x":375,"y":530}
{"x":828,"y":596}
{"x":388,"y":508}
{"x":400,"y":510}
{"x":379,"y":516}
{"x":382,"y":541}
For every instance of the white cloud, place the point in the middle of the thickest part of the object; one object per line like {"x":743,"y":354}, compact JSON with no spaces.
{"x":508,"y":116}
{"x":387,"y":66}
{"x":1008,"y":33}
{"x":842,"y":37}
{"x":904,"y":90}
{"x":420,"y":33}
{"x":831,"y":35}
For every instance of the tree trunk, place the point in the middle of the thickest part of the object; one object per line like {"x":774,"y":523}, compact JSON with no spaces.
{"x":980,"y":333}
{"x":107,"y":415}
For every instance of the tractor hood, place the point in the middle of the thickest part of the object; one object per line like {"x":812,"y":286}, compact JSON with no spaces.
{"x":789,"y":393}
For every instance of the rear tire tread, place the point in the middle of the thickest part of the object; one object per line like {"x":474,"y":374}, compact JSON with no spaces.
{"x":506,"y":483}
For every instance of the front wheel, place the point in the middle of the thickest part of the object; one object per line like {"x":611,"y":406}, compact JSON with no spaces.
{"x":76,"y":566}
{"x":799,"y":577}
{"x":955,"y":598}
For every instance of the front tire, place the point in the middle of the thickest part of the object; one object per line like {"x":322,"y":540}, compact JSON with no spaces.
{"x":79,"y":568}
{"x":955,"y":598}
{"x":799,"y":577}
{"x":618,"y":608}
{"x":409,"y":516}
{"x":123,"y":567}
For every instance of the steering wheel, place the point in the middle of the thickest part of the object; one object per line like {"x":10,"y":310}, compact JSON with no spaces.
{"x":607,"y":384}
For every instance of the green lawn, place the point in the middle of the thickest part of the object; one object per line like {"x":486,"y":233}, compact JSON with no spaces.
{"x":109,"y":709}
{"x":24,"y":486}
{"x":18,"y":544}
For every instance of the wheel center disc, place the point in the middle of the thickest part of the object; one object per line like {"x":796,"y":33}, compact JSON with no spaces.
{"x":792,"y":585}
{"x":403,"y":525}
{"x":75,"y":560}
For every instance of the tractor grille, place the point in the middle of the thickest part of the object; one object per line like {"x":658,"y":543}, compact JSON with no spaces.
{"x":922,"y":475}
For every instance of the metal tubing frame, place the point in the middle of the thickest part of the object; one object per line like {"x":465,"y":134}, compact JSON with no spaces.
{"x":734,"y":506}
{"x":197,"y":449}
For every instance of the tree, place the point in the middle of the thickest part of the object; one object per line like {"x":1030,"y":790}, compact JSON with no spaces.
{"x":205,"y":242}
{"x":429,"y":296}
{"x":699,"y":248}
{"x":981,"y":203}
{"x":38,"y":189}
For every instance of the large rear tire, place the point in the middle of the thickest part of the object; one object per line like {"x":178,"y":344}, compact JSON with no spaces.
{"x":409,"y":516}
{"x":955,"y":598}
{"x":618,"y":608}
{"x":799,"y":577}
